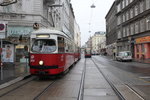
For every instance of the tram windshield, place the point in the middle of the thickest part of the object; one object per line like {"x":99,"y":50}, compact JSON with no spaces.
{"x":44,"y":45}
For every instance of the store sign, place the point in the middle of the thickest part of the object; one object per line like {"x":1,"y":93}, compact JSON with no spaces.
{"x":143,"y":39}
{"x":17,"y":31}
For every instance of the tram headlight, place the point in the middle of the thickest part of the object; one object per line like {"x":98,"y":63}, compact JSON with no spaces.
{"x":41,"y":62}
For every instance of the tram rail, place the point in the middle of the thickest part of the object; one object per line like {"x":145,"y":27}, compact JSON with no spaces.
{"x":44,"y":90}
{"x":37,"y":95}
{"x":81,"y":91}
{"x":110,"y":83}
{"x":23,"y":84}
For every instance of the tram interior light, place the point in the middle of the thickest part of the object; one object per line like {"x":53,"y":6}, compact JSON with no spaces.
{"x":42,"y":36}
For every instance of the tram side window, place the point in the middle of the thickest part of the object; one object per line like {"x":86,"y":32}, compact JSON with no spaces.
{"x":61,"y":45}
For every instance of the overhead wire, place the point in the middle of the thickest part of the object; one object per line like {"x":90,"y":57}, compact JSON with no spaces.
{"x":91,"y":15}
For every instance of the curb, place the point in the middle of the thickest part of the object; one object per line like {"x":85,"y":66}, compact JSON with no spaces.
{"x":14,"y":81}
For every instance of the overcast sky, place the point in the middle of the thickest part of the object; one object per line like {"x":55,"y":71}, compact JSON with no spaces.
{"x":91,"y":19}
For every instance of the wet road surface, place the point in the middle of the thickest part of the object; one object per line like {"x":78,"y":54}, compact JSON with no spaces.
{"x":95,"y":86}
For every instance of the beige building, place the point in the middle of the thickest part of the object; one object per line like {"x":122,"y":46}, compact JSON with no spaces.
{"x":98,"y":42}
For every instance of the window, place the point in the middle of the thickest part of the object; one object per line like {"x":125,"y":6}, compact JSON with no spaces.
{"x":142,"y":25}
{"x":123,"y":4}
{"x":127,"y":15}
{"x":141,"y":6}
{"x":127,"y":2}
{"x":61,"y":45}
{"x":131,"y":13}
{"x":132,"y":29}
{"x":137,"y":27}
{"x":124,"y":32}
{"x":136,"y":8}
{"x":119,"y":20}
{"x":119,"y":34}
{"x":124,"y":17}
{"x":148,"y":23}
{"x":147,"y":4}
{"x":44,"y":45}
{"x":119,"y":7}
{"x":128,"y":30}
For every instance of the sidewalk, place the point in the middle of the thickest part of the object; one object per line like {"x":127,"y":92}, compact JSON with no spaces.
{"x":146,"y":61}
{"x":12,"y":73}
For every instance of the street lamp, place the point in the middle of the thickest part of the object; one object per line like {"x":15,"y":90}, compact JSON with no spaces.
{"x":93,"y":6}
{"x":7,"y":2}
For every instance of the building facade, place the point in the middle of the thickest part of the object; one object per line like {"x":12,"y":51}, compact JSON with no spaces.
{"x":20,"y":19}
{"x":111,"y":33}
{"x":77,"y":34}
{"x":97,"y":40}
{"x":133,"y":27}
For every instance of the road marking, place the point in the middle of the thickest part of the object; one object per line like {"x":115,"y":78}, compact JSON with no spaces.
{"x":134,"y":92}
{"x":144,"y":77}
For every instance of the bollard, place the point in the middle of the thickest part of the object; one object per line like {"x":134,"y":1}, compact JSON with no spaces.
{"x":1,"y":70}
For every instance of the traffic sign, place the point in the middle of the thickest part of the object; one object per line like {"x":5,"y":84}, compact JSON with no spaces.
{"x":3,"y":28}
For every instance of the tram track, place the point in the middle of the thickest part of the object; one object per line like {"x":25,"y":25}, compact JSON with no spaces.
{"x":17,"y":87}
{"x":24,"y":88}
{"x":131,"y":89}
{"x":44,"y":90}
{"x":110,"y":83}
{"x":81,"y":91}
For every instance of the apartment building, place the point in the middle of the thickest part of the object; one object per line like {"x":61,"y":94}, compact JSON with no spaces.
{"x":111,"y":33}
{"x":133,"y":27}
{"x":97,"y":41}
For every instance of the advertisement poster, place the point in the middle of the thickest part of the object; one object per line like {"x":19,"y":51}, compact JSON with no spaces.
{"x":8,"y":53}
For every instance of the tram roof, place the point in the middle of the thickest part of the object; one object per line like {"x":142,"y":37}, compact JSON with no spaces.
{"x":49,"y":31}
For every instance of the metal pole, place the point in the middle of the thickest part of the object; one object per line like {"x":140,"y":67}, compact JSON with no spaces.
{"x":1,"y":61}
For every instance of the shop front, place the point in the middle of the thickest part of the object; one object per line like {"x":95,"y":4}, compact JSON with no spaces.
{"x":20,"y":37}
{"x":142,"y":48}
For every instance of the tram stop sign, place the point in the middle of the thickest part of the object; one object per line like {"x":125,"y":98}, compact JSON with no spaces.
{"x":2,"y":27}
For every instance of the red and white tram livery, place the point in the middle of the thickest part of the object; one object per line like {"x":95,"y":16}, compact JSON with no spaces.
{"x":52,"y":52}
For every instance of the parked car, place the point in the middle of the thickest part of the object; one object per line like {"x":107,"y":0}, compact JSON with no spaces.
{"x":124,"y":56}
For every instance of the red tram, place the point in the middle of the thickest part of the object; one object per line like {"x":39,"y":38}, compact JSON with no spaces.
{"x":88,"y":53}
{"x":52,"y":52}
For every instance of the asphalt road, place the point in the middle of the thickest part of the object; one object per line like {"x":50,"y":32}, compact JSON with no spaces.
{"x":134,"y":74}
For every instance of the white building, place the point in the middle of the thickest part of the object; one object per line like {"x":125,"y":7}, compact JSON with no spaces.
{"x":47,"y":13}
